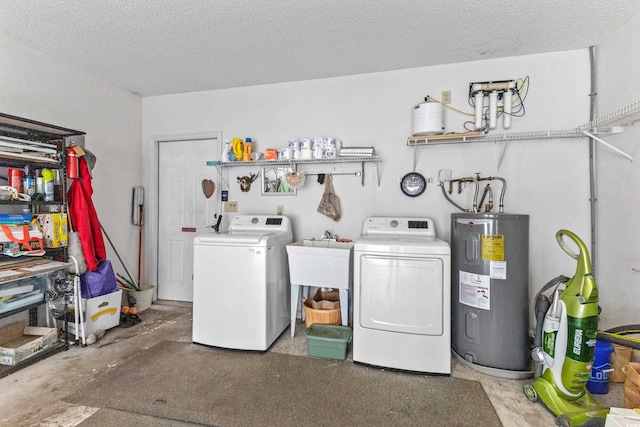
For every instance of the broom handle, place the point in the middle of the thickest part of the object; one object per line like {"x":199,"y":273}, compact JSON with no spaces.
{"x":140,"y":245}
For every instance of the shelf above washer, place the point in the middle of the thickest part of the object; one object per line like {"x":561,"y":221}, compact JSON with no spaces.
{"x":358,"y":159}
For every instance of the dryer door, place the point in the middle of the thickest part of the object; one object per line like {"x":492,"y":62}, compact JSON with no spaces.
{"x":402,"y":294}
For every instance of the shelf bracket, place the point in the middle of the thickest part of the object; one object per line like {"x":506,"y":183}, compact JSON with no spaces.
{"x":590,"y":135}
{"x":504,"y":151}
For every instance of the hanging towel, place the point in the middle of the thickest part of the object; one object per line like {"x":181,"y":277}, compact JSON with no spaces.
{"x":84,"y":217}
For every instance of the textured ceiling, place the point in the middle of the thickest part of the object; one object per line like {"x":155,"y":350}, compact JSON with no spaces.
{"x":155,"y":47}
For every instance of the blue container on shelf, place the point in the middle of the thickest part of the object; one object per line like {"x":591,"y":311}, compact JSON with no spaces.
{"x":598,"y":382}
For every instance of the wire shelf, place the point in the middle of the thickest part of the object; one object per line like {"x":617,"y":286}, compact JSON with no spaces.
{"x":367,"y":159}
{"x":625,"y":116}
{"x":513,"y":136}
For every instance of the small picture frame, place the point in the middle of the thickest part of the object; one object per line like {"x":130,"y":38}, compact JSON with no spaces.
{"x":274,"y":182}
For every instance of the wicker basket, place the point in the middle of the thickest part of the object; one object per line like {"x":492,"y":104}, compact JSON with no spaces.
{"x":326,"y":317}
{"x":632,"y":385}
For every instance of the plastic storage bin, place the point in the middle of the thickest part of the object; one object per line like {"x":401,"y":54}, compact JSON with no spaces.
{"x":328,"y":341}
{"x":598,"y":382}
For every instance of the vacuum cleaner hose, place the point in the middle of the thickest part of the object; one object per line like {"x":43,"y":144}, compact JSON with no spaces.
{"x":617,"y":336}
{"x":542,"y":304}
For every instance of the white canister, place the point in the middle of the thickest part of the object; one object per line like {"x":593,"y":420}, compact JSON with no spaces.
{"x":428,"y":119}
{"x":318,"y":141}
{"x":305,"y":144}
{"x":284,"y":153}
{"x":318,"y":152}
{"x":294,"y":144}
{"x":330,"y":142}
{"x":306,"y":154}
{"x":295,"y":154}
{"x":330,"y":152}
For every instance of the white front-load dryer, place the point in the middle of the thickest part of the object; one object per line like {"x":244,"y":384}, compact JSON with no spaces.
{"x":241,"y":291}
{"x":402,"y":296}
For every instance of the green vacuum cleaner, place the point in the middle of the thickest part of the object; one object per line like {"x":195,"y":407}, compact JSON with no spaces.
{"x":564,"y":345}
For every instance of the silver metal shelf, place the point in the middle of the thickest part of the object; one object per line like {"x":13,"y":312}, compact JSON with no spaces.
{"x":625,"y":116}
{"x":513,"y":136}
{"x":366,"y":159}
{"x":340,"y":159}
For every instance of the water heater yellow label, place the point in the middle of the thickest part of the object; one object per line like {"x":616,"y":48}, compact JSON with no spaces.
{"x":493,"y":247}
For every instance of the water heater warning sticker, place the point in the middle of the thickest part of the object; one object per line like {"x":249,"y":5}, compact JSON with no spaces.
{"x":493,"y":247}
{"x":475,"y":290}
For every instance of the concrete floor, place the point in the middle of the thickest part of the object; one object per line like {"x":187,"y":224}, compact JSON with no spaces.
{"x":34,"y":395}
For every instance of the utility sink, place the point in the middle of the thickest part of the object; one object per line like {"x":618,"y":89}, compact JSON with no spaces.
{"x":321,"y":263}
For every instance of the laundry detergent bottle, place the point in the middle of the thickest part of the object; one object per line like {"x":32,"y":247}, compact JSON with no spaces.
{"x":248,"y":147}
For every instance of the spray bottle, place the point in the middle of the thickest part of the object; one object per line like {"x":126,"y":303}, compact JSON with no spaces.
{"x":226,"y":151}
{"x":47,"y":183}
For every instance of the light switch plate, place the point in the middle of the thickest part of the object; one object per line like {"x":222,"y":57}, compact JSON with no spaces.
{"x":231,"y":206}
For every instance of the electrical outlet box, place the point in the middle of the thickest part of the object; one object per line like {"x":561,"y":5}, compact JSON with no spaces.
{"x":280,"y":210}
{"x":231,"y":206}
{"x":444,"y":175}
{"x":446,"y":97}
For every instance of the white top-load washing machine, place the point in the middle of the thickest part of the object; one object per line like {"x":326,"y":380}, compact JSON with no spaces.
{"x":402,"y":296}
{"x":241,"y":283}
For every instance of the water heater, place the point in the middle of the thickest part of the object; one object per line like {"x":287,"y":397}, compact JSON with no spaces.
{"x":428,"y":119}
{"x":490,"y":293}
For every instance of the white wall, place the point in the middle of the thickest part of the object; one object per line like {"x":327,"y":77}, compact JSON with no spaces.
{"x":38,"y":87}
{"x":618,"y":60}
{"x":546,"y":179}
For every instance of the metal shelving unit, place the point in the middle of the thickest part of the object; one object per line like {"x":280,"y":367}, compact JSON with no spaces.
{"x":29,"y":134}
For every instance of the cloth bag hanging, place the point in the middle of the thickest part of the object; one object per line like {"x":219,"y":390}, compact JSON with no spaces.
{"x":330,"y":203}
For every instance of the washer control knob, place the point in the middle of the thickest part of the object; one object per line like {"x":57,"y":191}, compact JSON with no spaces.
{"x":394,"y":223}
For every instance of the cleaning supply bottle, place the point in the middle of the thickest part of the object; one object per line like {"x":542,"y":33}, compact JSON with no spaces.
{"x":47,"y":184}
{"x":29,"y":181}
{"x":39,"y":182}
{"x":226,"y":150}
{"x":248,"y":146}
{"x":57,"y":186}
{"x":238,"y":148}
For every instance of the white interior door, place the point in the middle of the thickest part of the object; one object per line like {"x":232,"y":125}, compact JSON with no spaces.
{"x":183,"y":210}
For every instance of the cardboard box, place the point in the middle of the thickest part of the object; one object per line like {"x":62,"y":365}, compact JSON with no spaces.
{"x":324,"y":300}
{"x":18,"y":343}
{"x":55,"y":232}
{"x":14,"y":249}
{"x":622,"y":417}
{"x":101,"y":312}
